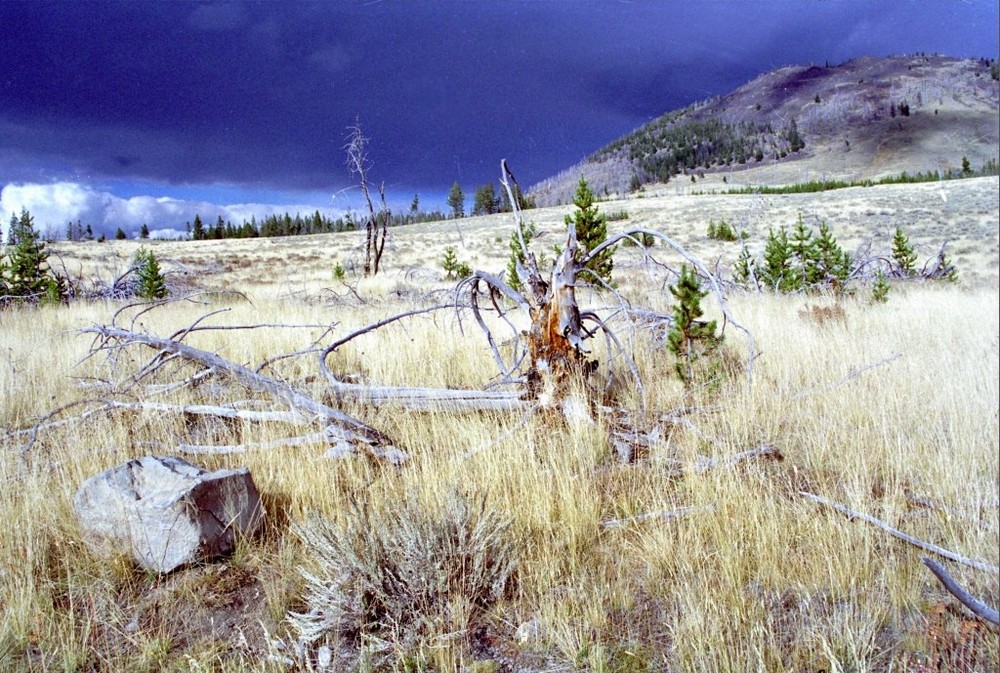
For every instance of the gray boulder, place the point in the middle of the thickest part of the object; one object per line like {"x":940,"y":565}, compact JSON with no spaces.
{"x":166,"y":512}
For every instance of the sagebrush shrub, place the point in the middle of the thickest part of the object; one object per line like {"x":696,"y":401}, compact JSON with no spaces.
{"x":396,"y":573}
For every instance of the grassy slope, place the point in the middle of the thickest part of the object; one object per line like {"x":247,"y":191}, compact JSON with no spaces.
{"x":765,"y":581}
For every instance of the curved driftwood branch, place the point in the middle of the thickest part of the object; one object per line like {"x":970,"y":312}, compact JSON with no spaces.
{"x":494,"y":288}
{"x":978,"y":607}
{"x":916,"y":542}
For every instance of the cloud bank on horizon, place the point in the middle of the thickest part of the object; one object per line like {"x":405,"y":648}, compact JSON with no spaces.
{"x":99,"y":97}
{"x":54,"y":205}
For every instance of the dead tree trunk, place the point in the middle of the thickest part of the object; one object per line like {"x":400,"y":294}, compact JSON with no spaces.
{"x":377,"y":222}
{"x":556,"y":352}
{"x":555,"y":339}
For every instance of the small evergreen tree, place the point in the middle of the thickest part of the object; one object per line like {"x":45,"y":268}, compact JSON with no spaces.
{"x":903,"y":254}
{"x":743,"y":268}
{"x":456,"y":200}
{"x":144,"y":232}
{"x":833,"y":264}
{"x":880,"y":288}
{"x":120,"y":234}
{"x":721,"y":231}
{"x":777,"y":269}
{"x":151,"y":283}
{"x":591,"y":231}
{"x":454,"y":269}
{"x":803,"y":257}
{"x":28,"y":273}
{"x":690,"y":339}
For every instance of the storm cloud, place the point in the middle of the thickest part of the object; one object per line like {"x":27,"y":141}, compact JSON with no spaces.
{"x":260,"y":94}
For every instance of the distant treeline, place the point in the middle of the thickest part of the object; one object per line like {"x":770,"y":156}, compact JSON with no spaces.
{"x":989,"y":168}
{"x":272,"y":225}
{"x":289,"y":225}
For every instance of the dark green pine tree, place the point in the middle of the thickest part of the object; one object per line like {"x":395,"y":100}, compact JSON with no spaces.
{"x":120,"y":234}
{"x":795,"y":141}
{"x":903,"y":254}
{"x":28,"y":274}
{"x":456,"y":200}
{"x":144,"y":232}
{"x":591,"y":230}
{"x":152,"y":284}
{"x":834,"y":264}
{"x":198,"y":233}
{"x":777,"y":270}
{"x":801,"y":244}
{"x":12,"y":230}
{"x":523,"y":202}
{"x":485,"y":202}
{"x":690,"y":338}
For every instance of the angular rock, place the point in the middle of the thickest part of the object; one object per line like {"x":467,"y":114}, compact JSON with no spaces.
{"x":166,"y":512}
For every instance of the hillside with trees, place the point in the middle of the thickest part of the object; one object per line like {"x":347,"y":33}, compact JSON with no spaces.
{"x":864,"y":119}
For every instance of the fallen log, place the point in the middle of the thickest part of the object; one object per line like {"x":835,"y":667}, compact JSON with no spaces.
{"x":350,"y":429}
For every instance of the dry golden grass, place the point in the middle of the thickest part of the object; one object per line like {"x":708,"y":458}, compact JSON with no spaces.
{"x":765,"y":580}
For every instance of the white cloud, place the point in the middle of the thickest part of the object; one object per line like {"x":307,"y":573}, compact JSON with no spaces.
{"x":55,"y":204}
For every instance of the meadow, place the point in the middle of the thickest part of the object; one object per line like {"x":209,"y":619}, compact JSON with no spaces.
{"x":889,"y":409}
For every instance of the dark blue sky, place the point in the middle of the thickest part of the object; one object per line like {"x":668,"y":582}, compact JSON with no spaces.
{"x":249,"y":102}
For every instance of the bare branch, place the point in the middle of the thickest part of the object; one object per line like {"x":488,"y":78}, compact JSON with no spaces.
{"x":211,"y":410}
{"x":916,"y":542}
{"x":415,"y":399}
{"x":664,"y":515}
{"x":763,"y":451}
{"x":352,"y":428}
{"x":852,"y":374}
{"x":229,"y":449}
{"x":979,"y":608}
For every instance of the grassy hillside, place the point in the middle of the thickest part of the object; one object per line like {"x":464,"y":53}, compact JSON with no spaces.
{"x":890,"y":409}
